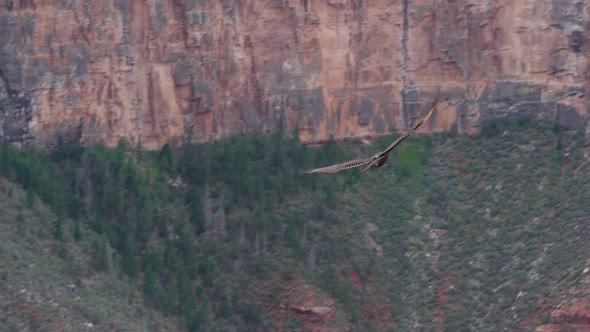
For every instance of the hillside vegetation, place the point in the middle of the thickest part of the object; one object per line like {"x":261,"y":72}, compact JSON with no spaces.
{"x":456,"y":233}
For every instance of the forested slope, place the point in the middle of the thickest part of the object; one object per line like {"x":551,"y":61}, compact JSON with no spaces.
{"x":456,"y":233}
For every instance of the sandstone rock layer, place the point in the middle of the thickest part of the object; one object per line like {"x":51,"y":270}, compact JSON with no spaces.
{"x":160,"y":71}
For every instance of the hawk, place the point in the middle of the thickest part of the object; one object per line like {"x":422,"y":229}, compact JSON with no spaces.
{"x":379,"y":158}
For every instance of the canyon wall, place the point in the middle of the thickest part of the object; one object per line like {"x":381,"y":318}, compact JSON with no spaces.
{"x":163,"y":70}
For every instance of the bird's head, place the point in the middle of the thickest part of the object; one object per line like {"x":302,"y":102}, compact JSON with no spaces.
{"x":380,"y":161}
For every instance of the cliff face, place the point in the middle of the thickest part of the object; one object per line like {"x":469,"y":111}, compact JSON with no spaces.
{"x":156,"y":70}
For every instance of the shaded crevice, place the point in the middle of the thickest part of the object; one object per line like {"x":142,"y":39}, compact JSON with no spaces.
{"x":11,"y":93}
{"x":405,"y":59}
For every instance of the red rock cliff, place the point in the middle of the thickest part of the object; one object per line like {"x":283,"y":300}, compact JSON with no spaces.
{"x":155,"y":70}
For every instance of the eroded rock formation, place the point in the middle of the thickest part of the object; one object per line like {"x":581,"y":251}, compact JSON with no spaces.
{"x":158,"y":70}
{"x":575,"y":318}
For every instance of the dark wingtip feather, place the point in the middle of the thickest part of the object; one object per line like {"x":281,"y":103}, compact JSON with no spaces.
{"x":305,"y":171}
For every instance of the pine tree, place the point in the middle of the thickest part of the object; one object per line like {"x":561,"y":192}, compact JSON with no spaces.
{"x":77,"y":230}
{"x":149,"y":281}
{"x":173,"y":295}
{"x":57,"y":228}
{"x":187,"y":298}
{"x":129,"y":261}
{"x":100,"y":259}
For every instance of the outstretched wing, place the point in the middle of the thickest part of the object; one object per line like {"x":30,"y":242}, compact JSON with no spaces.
{"x":402,"y":137}
{"x":410,"y":131}
{"x":368,"y":162}
{"x":340,"y":167}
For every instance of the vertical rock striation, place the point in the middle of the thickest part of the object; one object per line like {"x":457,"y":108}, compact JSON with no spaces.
{"x":155,"y":71}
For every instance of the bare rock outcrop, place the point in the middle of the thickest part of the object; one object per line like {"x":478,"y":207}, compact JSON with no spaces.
{"x":575,"y":318}
{"x":158,"y":70}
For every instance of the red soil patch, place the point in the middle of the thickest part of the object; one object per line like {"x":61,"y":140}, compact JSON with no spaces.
{"x":21,"y":306}
{"x":317,"y":310}
{"x":378,"y":310}
{"x":543,"y":309}
{"x":355,"y":277}
{"x":578,"y":313}
{"x":306,"y":303}
{"x":461,"y":166}
{"x":575,"y":318}
{"x":57,"y":327}
{"x":440,"y":315}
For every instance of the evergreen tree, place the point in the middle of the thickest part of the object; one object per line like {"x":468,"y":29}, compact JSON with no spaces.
{"x":186,"y":296}
{"x":57,"y":228}
{"x":99,"y":258}
{"x":173,"y":296}
{"x":77,"y":230}
{"x":129,"y":259}
{"x":149,"y":281}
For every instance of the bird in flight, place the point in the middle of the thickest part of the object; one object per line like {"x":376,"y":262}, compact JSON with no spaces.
{"x":379,"y":158}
